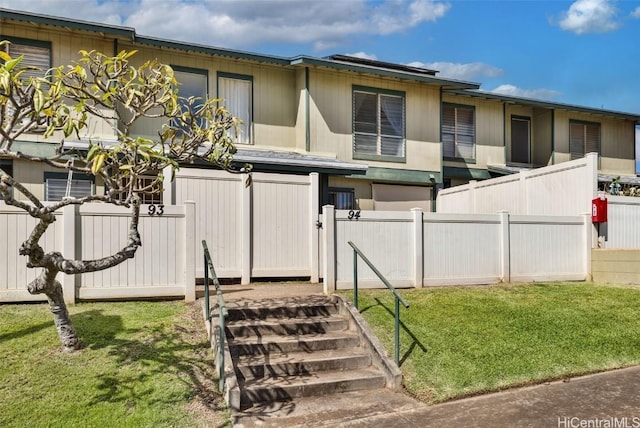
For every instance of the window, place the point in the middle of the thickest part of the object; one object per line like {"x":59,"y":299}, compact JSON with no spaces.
{"x":145,"y":197}
{"x":36,"y":54}
{"x":58,"y":185}
{"x":341,"y":198}
{"x":458,"y":131}
{"x":7,"y":166}
{"x":378,"y":124}
{"x":520,"y":139}
{"x":192,"y":82}
{"x":236,"y":92}
{"x":584,"y":137}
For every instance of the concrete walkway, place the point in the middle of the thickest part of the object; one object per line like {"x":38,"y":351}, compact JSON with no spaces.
{"x":610,"y":399}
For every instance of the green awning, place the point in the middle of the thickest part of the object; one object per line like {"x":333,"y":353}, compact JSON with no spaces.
{"x":469,"y":173}
{"x":401,"y":175}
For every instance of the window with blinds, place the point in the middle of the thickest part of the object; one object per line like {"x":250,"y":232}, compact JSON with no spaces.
{"x":35,"y":54}
{"x":236,"y":92}
{"x":458,"y":131}
{"x":342,"y":198}
{"x":378,"y":124}
{"x":584,"y":137}
{"x":60,"y":185}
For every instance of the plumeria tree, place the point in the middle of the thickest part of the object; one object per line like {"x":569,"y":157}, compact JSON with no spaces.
{"x":60,"y":106}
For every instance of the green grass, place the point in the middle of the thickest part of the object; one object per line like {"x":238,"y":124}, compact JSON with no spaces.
{"x":463,"y":341}
{"x":144,"y":364}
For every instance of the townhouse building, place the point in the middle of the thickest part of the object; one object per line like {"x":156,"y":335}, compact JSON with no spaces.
{"x":379,"y":135}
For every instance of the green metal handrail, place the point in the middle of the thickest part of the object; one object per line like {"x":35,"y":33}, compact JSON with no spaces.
{"x":222,"y":311}
{"x":398,"y":298}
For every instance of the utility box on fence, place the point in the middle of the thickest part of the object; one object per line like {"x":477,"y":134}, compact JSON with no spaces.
{"x":599,"y":210}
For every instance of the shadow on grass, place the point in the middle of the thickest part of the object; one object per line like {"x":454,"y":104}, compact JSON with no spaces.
{"x":145,"y":357}
{"x":415,"y":341}
{"x":25,"y":331}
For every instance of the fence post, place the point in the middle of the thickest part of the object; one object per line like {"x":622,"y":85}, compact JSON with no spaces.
{"x":68,"y":231}
{"x":329,"y":238}
{"x":189,"y":279}
{"x":246,"y":231}
{"x":472,"y":196}
{"x":418,"y":256}
{"x":168,"y":193}
{"x":505,"y":246}
{"x":314,"y":206}
{"x":588,"y":244}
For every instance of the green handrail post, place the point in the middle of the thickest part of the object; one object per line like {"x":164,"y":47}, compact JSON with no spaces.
{"x":398,"y":298}
{"x":355,"y":279}
{"x":207,"y":304}
{"x":397,"y":332}
{"x":222,"y":313}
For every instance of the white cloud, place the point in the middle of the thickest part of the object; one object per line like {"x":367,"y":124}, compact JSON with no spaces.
{"x":469,"y":71}
{"x":242,"y":24}
{"x":363,"y":55}
{"x":540,"y":94}
{"x":590,"y":16}
{"x":636,"y":13}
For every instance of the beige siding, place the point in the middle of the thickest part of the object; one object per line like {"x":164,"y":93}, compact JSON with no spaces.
{"x":331,"y":118}
{"x":65,"y":47}
{"x":275,"y":99}
{"x":31,"y":176}
{"x":617,"y":139}
{"x":542,"y":131}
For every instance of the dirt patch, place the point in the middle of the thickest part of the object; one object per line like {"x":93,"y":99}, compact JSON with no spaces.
{"x":207,"y":405}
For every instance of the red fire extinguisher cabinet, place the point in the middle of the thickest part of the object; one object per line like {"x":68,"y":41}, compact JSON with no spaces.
{"x":599,"y":210}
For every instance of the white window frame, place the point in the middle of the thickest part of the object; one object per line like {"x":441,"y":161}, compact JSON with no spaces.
{"x":456,"y":135}
{"x":236,"y":94}
{"x":384,"y":142}
{"x":60,"y":179}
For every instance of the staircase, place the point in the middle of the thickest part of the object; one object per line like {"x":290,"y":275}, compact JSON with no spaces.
{"x":293,"y":347}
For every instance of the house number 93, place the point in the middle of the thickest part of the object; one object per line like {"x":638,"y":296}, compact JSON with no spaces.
{"x":155,"y":209}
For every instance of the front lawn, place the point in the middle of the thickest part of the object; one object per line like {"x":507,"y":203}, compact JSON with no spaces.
{"x":144,"y":364}
{"x":469,"y":340}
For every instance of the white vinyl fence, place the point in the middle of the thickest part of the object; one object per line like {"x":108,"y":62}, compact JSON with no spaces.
{"x":563,"y":189}
{"x":623,"y":225}
{"x":267,"y":229}
{"x":416,"y":249}
{"x":162,"y":267}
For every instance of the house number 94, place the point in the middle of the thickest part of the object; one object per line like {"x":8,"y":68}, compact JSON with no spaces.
{"x":354,"y":214}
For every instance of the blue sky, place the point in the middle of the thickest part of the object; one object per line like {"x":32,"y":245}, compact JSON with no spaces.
{"x":580,"y":52}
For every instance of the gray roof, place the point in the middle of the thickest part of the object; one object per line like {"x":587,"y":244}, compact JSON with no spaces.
{"x":294,"y":159}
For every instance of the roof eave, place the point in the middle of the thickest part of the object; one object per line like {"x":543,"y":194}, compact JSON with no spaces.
{"x":544,"y":104}
{"x":445,"y":83}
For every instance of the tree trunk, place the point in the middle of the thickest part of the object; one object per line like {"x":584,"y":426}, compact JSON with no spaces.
{"x":47,"y":284}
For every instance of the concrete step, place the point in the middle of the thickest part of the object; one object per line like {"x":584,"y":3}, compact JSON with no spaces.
{"x":301,"y":363}
{"x":355,"y":408}
{"x":263,"y":345}
{"x":283,"y":388}
{"x":270,"y":326}
{"x":313,"y":306}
